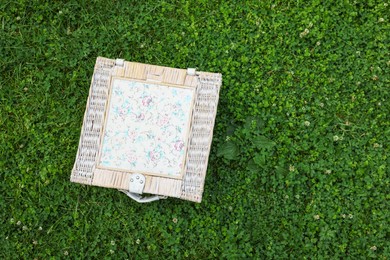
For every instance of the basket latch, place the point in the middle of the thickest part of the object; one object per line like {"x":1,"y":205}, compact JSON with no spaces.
{"x":137,"y":183}
{"x":136,"y":187}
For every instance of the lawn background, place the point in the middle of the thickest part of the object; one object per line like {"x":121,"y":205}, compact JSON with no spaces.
{"x":299,"y":166}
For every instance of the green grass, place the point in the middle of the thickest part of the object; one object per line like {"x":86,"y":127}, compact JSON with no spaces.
{"x":299,"y":166}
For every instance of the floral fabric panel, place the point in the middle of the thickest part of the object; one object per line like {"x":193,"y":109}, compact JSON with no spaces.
{"x":146,"y":128}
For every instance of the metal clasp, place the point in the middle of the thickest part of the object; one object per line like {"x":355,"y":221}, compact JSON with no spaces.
{"x":137,"y":183}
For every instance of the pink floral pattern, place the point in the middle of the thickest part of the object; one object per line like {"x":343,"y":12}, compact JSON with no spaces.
{"x":146,"y":128}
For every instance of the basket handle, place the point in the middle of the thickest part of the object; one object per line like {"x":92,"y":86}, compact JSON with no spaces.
{"x":138,"y":198}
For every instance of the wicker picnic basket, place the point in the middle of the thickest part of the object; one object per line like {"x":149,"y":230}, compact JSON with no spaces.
{"x":147,"y":129}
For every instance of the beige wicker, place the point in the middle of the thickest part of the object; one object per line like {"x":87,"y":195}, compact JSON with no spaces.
{"x":190,"y":185}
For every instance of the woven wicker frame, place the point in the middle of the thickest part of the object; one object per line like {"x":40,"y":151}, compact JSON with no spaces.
{"x":190,"y":187}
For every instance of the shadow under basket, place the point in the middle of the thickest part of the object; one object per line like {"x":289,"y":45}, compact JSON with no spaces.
{"x":147,"y":129}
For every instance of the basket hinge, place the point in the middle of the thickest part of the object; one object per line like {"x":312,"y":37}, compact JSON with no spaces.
{"x":191,"y":72}
{"x":137,"y":183}
{"x":119,"y":62}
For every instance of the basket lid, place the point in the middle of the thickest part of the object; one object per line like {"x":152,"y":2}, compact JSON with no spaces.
{"x":152,"y":122}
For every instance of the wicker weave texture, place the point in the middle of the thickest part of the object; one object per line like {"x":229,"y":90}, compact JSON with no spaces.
{"x":207,"y":86}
